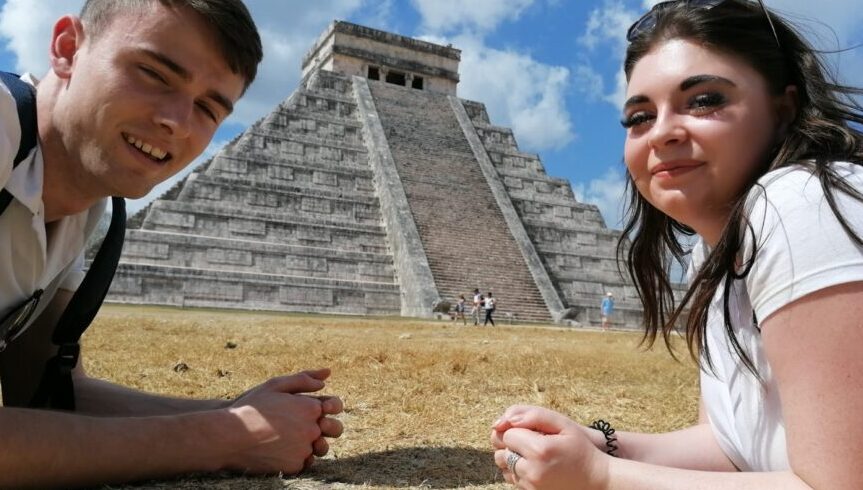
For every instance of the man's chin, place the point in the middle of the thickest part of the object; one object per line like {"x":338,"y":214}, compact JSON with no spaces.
{"x":132,"y":193}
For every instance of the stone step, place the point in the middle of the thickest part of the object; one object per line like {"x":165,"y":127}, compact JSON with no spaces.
{"x":257,"y":147}
{"x":362,"y":210}
{"x":194,"y":287}
{"x":296,"y":171}
{"x":182,"y":250}
{"x":216,"y":221}
{"x":293,"y":141}
{"x":268,"y":186}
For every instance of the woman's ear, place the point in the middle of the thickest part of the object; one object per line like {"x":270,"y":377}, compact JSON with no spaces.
{"x":786,"y":106}
{"x":66,"y":40}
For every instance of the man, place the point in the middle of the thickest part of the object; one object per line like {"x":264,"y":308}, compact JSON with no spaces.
{"x":490,"y":306}
{"x":607,"y":309}
{"x":135,"y":91}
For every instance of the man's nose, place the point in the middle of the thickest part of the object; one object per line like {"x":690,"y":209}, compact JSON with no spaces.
{"x":175,"y":115}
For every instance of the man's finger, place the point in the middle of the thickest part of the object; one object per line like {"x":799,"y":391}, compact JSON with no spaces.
{"x":320,"y":447}
{"x":331,"y":427}
{"x":331,"y":405}
{"x":321,"y":374}
{"x":296,"y":383}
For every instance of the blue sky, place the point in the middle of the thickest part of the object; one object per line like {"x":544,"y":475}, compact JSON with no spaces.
{"x":549,"y":69}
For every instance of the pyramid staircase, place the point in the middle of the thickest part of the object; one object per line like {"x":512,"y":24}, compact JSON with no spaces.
{"x":465,"y":237}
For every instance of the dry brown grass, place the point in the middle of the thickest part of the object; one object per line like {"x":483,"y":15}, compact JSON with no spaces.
{"x":420,"y":396}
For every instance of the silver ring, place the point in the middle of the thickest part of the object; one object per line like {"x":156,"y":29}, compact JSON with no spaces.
{"x":512,"y":458}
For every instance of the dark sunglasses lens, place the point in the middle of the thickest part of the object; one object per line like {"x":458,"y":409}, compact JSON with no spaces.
{"x":648,"y":21}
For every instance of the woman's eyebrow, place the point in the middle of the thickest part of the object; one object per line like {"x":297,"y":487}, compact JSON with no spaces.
{"x":699,"y":79}
{"x":686,"y":84}
{"x":635,"y":99}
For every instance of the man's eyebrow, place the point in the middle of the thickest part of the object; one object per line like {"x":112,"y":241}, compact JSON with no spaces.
{"x":183,"y":73}
{"x":699,"y":79}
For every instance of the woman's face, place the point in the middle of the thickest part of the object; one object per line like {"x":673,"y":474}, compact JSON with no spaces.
{"x":699,"y":124}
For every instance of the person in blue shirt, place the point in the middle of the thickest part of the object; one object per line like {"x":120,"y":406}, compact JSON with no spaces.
{"x":607,"y":309}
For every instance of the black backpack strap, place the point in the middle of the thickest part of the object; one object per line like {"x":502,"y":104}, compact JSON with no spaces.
{"x":25,"y":99}
{"x":55,"y":389}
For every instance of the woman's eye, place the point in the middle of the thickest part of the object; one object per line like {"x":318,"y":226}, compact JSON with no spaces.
{"x":635,"y":119}
{"x":704,"y":102}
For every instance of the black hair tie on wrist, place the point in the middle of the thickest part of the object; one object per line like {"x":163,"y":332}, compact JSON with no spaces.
{"x":608,"y":432}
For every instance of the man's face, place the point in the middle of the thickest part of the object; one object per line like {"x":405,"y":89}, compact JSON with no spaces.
{"x":143,"y":100}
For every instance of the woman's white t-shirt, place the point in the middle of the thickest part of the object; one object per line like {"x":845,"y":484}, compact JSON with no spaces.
{"x":801,"y":248}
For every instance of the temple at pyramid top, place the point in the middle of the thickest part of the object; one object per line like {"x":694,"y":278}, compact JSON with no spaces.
{"x":355,"y":50}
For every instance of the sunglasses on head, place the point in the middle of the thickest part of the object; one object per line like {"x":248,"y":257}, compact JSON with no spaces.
{"x":647,"y":22}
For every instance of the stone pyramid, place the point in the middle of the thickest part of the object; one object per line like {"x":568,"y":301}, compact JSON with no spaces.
{"x":374,"y":190}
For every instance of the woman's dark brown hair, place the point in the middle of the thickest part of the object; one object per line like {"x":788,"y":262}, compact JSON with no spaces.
{"x":826,"y":129}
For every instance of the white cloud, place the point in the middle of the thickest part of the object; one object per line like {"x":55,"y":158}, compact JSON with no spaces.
{"x":608,"y":25}
{"x":26,"y":26}
{"x":607,"y":193}
{"x":443,"y":16}
{"x":604,"y":35}
{"x":588,"y":81}
{"x":519,"y":92}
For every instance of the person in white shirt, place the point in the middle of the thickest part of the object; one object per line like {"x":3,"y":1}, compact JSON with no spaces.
{"x":490,"y":306}
{"x":736,"y":132}
{"x":477,"y":306}
{"x":135,"y":91}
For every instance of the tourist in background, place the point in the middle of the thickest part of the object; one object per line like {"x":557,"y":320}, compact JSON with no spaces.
{"x":134,"y":93}
{"x":737,"y":132}
{"x":607,"y":309}
{"x":477,"y":306}
{"x":459,"y":310}
{"x":490,"y":305}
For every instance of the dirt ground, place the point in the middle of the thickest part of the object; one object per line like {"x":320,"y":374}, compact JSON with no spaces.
{"x":420,"y":396}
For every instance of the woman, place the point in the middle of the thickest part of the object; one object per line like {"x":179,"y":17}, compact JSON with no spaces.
{"x":734,"y":132}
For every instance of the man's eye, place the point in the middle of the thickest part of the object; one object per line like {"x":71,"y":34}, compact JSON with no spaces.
{"x":153,"y":74}
{"x":207,"y":111}
{"x":709,"y":100}
{"x":635,"y":119}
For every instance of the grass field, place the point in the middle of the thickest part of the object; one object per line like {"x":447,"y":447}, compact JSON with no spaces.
{"x":420,"y":396}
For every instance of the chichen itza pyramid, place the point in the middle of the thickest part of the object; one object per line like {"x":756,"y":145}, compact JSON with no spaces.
{"x":374,"y":190}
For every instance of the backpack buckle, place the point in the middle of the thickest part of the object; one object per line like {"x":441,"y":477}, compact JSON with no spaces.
{"x":67,"y":357}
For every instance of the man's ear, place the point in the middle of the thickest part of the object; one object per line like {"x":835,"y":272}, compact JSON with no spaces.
{"x":67,"y":38}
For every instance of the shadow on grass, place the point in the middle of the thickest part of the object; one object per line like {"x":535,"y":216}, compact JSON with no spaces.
{"x":412,"y":467}
{"x":429,"y":467}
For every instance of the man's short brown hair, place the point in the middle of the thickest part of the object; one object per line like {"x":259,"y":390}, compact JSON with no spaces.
{"x":238,"y":36}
